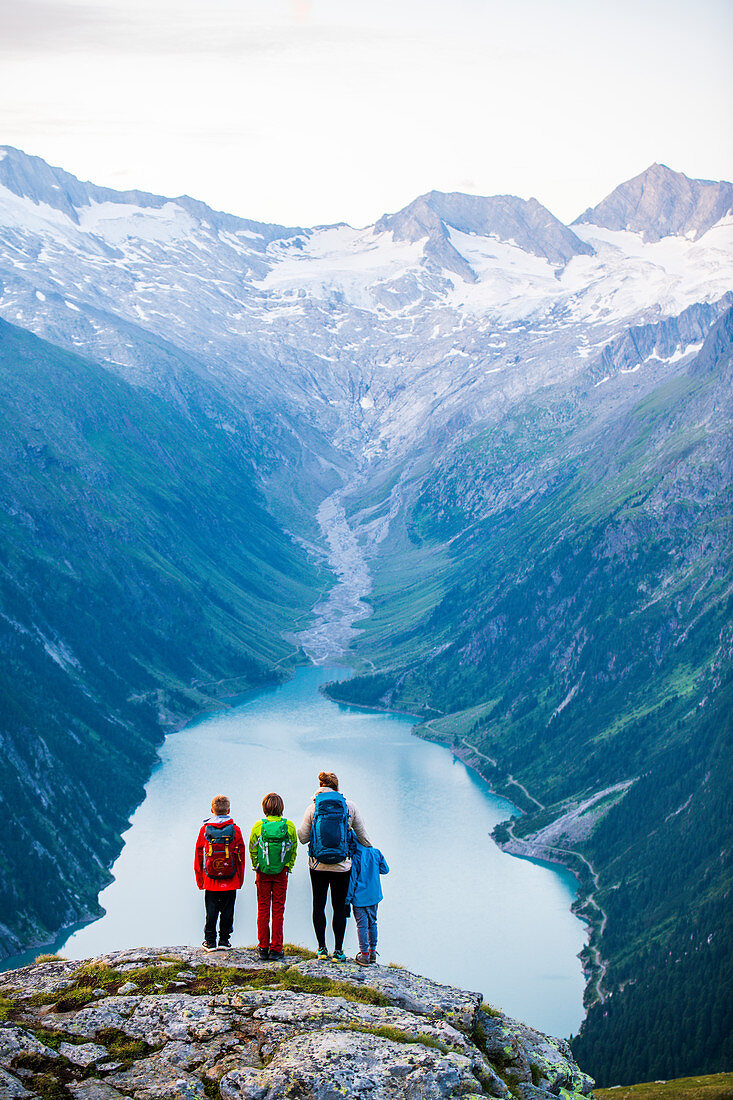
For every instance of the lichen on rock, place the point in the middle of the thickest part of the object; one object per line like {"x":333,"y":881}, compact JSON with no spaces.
{"x":181,"y":1024}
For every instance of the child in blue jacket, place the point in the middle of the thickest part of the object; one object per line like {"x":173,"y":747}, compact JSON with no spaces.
{"x":365,"y":894}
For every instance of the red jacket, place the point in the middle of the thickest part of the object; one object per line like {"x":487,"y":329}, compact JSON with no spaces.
{"x":202,"y":879}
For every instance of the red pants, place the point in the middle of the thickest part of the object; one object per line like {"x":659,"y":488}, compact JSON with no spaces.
{"x":271,"y":890}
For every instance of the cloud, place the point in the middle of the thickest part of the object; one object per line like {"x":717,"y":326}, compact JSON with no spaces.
{"x":181,"y":28}
{"x":35,"y":26}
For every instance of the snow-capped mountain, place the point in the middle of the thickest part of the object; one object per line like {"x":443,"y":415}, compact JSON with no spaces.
{"x":661,"y":203}
{"x":518,"y":429}
{"x":427,"y":319}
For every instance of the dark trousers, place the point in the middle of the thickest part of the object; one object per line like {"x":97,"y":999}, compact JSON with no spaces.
{"x":219,"y":906}
{"x":271,"y":891}
{"x":338,"y":882}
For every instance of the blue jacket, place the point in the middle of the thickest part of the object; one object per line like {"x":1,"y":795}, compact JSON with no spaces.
{"x":367,"y":864}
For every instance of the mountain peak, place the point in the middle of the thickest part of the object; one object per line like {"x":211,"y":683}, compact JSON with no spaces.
{"x":524,"y":222}
{"x":660,"y":202}
{"x":31,"y":177}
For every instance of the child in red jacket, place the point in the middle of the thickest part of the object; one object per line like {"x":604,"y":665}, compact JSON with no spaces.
{"x":219,"y":865}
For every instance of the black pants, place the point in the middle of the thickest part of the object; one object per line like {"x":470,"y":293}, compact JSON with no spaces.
{"x":339,"y":884}
{"x":219,"y":906}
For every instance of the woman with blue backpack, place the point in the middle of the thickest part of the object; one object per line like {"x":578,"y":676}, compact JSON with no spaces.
{"x":272,"y":849}
{"x":326,"y":829}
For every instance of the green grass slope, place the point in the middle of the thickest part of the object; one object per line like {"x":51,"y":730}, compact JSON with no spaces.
{"x":578,"y":632}
{"x":716,"y":1086}
{"x":141,"y":577}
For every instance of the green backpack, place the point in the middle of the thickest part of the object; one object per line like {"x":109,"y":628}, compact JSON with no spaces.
{"x":273,"y":846}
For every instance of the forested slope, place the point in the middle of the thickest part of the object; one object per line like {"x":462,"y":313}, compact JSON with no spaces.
{"x":141,"y":578}
{"x":573,"y":568}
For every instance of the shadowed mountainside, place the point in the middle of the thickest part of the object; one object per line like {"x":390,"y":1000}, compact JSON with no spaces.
{"x":141,"y":567}
{"x":561,"y":589}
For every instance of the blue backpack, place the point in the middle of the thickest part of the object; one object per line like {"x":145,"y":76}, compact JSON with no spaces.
{"x":329,"y":840}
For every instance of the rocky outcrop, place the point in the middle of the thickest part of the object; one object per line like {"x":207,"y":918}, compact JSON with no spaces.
{"x":662,"y":203}
{"x":524,"y":222}
{"x":181,"y":1023}
{"x":661,"y":343}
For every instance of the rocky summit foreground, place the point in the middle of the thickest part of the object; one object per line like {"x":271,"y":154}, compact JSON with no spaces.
{"x":182,"y":1023}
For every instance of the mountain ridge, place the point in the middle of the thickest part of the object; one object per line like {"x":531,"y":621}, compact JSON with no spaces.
{"x":660,"y":202}
{"x":529,"y":442}
{"x":321,"y":320}
{"x":554,"y":599}
{"x":129,"y":581}
{"x":29,"y":176}
{"x":693,"y":204}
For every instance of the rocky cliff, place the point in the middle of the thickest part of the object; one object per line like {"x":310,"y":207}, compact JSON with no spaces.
{"x":179,"y":1022}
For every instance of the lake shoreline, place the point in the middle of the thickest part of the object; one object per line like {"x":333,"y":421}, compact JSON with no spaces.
{"x":169,"y":723}
{"x":584,"y":907}
{"x":278,"y":740}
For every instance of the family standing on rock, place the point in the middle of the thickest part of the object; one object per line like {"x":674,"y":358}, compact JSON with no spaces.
{"x":341,"y":860}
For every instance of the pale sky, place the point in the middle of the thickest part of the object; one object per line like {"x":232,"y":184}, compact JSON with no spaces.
{"x":314,"y":111}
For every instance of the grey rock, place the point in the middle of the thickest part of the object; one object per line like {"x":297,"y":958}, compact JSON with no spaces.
{"x":661,"y":203}
{"x":656,"y":342}
{"x":111,"y":1012}
{"x":525,"y":1091}
{"x":526,"y":223}
{"x":128,"y":987}
{"x":531,"y":1053}
{"x":17,"y":1040}
{"x":94,"y":1090}
{"x":409,"y":991}
{"x":182,"y":1055}
{"x":11,"y":1088}
{"x":40,"y":978}
{"x":33,"y":177}
{"x":154,"y":1079}
{"x":426,"y":1042}
{"x":85,"y":1054}
{"x":177,"y":1016}
{"x":312,"y":1011}
{"x":330,"y":1063}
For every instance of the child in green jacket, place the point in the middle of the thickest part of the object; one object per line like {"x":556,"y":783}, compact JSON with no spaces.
{"x":273,"y":846}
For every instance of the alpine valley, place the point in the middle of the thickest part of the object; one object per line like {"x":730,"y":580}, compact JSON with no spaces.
{"x":523,"y":427}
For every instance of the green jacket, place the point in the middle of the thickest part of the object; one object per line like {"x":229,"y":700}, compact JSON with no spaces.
{"x":254,"y":837}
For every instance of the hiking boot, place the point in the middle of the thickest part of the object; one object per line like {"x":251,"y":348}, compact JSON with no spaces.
{"x":373,"y":956}
{"x":208,"y":945}
{"x":224,"y":943}
{"x":339,"y":957}
{"x":362,"y":959}
{"x":276,"y":956}
{"x":322,"y":953}
{"x":263,"y":953}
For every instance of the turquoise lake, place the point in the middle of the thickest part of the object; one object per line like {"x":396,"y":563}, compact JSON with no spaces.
{"x":456,"y":908}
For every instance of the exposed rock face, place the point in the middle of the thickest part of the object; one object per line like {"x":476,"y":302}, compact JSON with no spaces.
{"x":662,"y":203}
{"x":30,"y":176}
{"x":227,"y":1025}
{"x":525,"y":222}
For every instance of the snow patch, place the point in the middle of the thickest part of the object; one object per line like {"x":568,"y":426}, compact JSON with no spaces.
{"x":60,"y":654}
{"x":115,"y":222}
